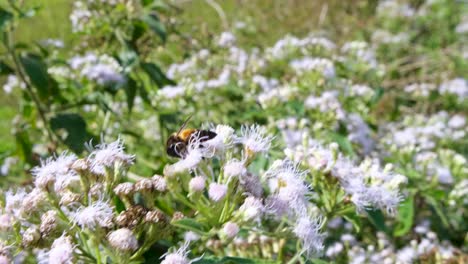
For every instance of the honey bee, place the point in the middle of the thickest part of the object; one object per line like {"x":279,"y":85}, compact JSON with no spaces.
{"x":177,"y":143}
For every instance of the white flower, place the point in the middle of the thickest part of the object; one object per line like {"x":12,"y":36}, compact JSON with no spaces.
{"x":6,"y":222}
{"x":106,"y":155}
{"x":123,"y":239}
{"x":234,"y":168}
{"x":251,"y":209}
{"x":230,"y":229}
{"x":52,"y":170}
{"x":13,"y":202}
{"x":326,"y":102}
{"x":12,"y":83}
{"x":190,"y":236}
{"x":98,"y":214}
{"x":308,"y":232}
{"x":4,"y":259}
{"x":254,"y":139}
{"x":223,"y":139}
{"x":457,"y":121}
{"x":61,"y":252}
{"x":217,"y":191}
{"x":307,"y":64}
{"x":171,"y":92}
{"x":178,"y":257}
{"x":334,"y":249}
{"x":457,"y":86}
{"x":444,"y":175}
{"x":226,"y":39}
{"x":197,"y":184}
{"x":33,"y":199}
{"x":80,"y":16}
{"x":287,"y":182}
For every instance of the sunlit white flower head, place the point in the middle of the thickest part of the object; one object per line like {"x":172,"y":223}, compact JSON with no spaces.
{"x":308,"y":64}
{"x":197,"y":184}
{"x":79,"y":16}
{"x":457,"y":86}
{"x":308,"y":231}
{"x":190,"y":236}
{"x":223,"y":139}
{"x":251,"y":209}
{"x":178,"y":257}
{"x":54,"y":169}
{"x":13,"y":202}
{"x":61,"y":251}
{"x":123,"y":239}
{"x":234,"y":168}
{"x":12,"y":83}
{"x":6,"y":222}
{"x":33,"y":199}
{"x":106,"y":155}
{"x":230,"y":229}
{"x":334,"y":249}
{"x":286,"y":180}
{"x":457,"y":121}
{"x":4,"y":259}
{"x":217,"y":191}
{"x":98,"y":214}
{"x":254,"y":139}
{"x":226,"y":39}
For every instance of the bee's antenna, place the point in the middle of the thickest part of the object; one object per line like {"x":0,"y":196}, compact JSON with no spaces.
{"x":184,"y":124}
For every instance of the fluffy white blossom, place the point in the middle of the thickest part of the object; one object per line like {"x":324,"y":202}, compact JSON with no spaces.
{"x":98,"y":214}
{"x":254,"y":139}
{"x":107,"y":155}
{"x":308,"y":232}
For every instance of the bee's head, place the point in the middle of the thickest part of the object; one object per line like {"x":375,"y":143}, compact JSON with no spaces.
{"x":175,"y":146}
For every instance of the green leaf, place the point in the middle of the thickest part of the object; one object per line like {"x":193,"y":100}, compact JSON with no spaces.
{"x":23,"y":144}
{"x":5,"y":16}
{"x":344,"y":143}
{"x":317,"y":261}
{"x":379,"y":92}
{"x":189,"y":224}
{"x":354,"y":219}
{"x":156,"y":25}
{"x":377,"y":219}
{"x":131,"y":91}
{"x":37,"y":71}
{"x":5,"y":69}
{"x":405,"y":216}
{"x":75,"y":126}
{"x":156,"y":74}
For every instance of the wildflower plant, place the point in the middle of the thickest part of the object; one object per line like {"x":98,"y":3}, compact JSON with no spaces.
{"x":345,"y":145}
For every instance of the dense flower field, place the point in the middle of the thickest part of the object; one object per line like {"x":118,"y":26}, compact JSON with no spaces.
{"x":349,"y":151}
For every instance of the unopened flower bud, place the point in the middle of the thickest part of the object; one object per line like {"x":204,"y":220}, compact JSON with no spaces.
{"x":48,"y":222}
{"x":131,"y":217}
{"x":177,"y":216}
{"x":217,"y":192}
{"x":31,"y":236}
{"x":80,"y":165}
{"x":155,"y":217}
{"x":6,"y":222}
{"x":230,"y":229}
{"x":96,"y":190}
{"x":144,"y":185}
{"x":197,"y":184}
{"x":69,"y":198}
{"x":123,"y":240}
{"x":159,"y":183}
{"x":124,"y":189}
